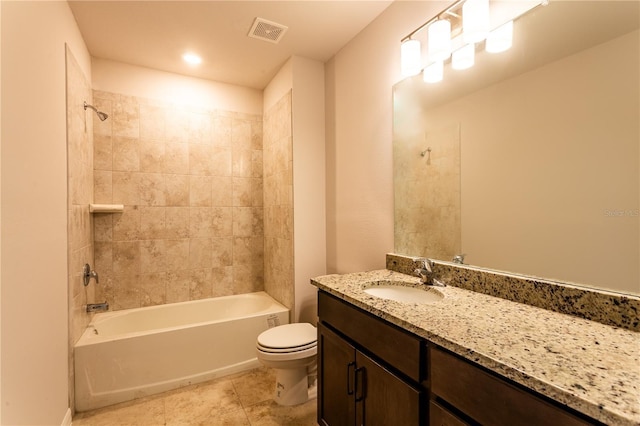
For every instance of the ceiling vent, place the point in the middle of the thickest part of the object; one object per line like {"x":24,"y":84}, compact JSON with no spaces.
{"x":267,"y":30}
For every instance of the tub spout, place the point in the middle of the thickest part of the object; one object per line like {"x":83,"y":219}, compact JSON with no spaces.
{"x":97,"y":307}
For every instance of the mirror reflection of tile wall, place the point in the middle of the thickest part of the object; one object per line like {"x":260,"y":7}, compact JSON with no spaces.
{"x":426,"y":165}
{"x":191,"y":183}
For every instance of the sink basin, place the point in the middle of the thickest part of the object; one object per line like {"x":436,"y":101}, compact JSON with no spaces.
{"x":404,"y":293}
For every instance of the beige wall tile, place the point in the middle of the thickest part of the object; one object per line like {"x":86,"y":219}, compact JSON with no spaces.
{"x":152,"y":223}
{"x":200,"y":284}
{"x":126,"y":154}
{"x":200,"y":222}
{"x":176,"y":190}
{"x":152,"y":122}
{"x":126,"y":257}
{"x":153,"y":289}
{"x":126,"y":188}
{"x":125,"y":118}
{"x":176,"y":158}
{"x":177,"y":222}
{"x":199,"y":253}
{"x":200,"y":159}
{"x":222,"y":252}
{"x":179,"y":171}
{"x":152,"y":189}
{"x":221,"y":130}
{"x":178,"y":286}
{"x":222,"y":191}
{"x":221,"y":161}
{"x":102,"y":152}
{"x":126,"y":225}
{"x":200,"y":191}
{"x":222,"y":221}
{"x":242,"y":194}
{"x":152,"y":156}
{"x":177,"y":254}
{"x":222,"y":281}
{"x":102,"y":187}
{"x":102,"y":227}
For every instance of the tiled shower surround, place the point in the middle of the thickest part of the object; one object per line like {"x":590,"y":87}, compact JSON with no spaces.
{"x":278,"y":202}
{"x":80,"y":192}
{"x":191,"y":183}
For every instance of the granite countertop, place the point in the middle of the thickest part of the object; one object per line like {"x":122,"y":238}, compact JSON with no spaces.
{"x":591,"y":367}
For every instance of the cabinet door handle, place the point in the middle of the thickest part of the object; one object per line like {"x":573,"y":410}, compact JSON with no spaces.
{"x":350,"y":377}
{"x":361,"y":383}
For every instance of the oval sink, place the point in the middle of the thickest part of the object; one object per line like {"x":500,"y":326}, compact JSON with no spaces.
{"x":406,"y":294}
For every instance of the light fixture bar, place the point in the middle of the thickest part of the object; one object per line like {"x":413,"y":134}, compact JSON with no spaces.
{"x":435,"y":18}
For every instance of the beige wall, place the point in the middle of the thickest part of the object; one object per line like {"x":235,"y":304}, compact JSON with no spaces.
{"x":117,"y":77}
{"x":309,"y":183}
{"x":34,"y":210}
{"x":359,"y":82}
{"x":295,"y":206}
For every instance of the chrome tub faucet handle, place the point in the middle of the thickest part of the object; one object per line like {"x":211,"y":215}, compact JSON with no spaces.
{"x":88,"y":273}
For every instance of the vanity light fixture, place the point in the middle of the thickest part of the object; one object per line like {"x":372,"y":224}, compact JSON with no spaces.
{"x":500,"y":39}
{"x":464,"y":57}
{"x":439,"y":40}
{"x":410,"y":57}
{"x":463,"y":25}
{"x":475,"y":20}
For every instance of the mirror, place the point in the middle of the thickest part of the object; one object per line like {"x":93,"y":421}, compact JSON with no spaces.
{"x":528,"y":162}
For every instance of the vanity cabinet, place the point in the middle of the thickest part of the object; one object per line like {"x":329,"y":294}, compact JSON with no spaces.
{"x":357,"y":385}
{"x":486,"y":398}
{"x":372,"y":372}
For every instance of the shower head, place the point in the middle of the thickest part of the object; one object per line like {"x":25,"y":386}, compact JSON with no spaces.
{"x":101,"y":115}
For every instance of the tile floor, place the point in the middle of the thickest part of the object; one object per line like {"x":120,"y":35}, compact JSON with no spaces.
{"x":237,"y":400}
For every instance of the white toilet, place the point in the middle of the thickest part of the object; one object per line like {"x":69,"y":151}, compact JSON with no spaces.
{"x":291,"y":351}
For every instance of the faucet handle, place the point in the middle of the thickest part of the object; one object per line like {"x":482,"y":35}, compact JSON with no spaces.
{"x":87,"y":274}
{"x":459,"y":258}
{"x":425,"y":263}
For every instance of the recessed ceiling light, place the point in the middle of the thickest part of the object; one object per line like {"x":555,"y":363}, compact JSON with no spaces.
{"x":192,"y":58}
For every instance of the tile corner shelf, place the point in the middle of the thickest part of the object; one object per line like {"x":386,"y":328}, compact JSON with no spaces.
{"x":106,"y":208}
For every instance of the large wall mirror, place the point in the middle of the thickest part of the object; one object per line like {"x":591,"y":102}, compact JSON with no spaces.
{"x":528,"y":162}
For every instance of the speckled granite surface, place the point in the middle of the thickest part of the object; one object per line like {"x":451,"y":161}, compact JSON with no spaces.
{"x":606,"y":307}
{"x":591,"y":367}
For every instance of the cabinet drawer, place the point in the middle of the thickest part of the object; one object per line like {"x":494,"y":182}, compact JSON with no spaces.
{"x":440,"y":416}
{"x":489,"y":399}
{"x":396,"y":347}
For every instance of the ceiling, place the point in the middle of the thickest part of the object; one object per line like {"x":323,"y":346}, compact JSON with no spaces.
{"x":155,"y":34}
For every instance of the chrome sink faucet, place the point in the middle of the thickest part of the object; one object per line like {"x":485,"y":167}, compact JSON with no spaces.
{"x":425,"y":272}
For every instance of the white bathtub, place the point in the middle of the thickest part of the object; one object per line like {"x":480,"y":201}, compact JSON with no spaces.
{"x":128,"y":354}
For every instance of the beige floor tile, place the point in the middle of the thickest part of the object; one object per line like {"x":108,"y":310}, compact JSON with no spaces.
{"x":142,"y":412}
{"x":255,"y":386}
{"x":201,"y":404}
{"x":269,"y":413}
{"x":216,"y":403}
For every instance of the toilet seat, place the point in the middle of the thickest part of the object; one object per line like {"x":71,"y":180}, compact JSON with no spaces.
{"x":286,"y":350}
{"x":288,"y":338}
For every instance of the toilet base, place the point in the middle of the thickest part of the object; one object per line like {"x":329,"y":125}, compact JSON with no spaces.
{"x":292,"y":387}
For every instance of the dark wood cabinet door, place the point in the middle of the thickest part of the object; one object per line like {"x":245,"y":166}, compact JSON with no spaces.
{"x":382,"y":398}
{"x":336,"y":374}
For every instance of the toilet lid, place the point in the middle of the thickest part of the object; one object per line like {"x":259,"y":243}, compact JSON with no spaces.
{"x":288,"y":336}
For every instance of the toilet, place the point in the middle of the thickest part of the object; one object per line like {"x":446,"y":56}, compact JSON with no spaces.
{"x":291,"y":351}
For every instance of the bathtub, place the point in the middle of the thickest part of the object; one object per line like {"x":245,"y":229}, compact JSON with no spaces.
{"x":132,"y":353}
